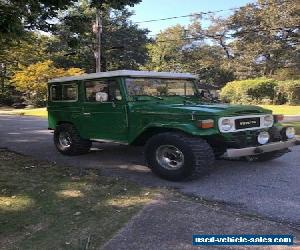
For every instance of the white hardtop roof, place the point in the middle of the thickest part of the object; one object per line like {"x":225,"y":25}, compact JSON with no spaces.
{"x":132,"y":73}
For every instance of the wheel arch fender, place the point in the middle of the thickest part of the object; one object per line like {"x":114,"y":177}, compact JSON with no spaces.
{"x":70,"y":123}
{"x":154,"y":129}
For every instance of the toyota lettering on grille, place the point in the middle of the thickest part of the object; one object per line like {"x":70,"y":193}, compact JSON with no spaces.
{"x":247,"y":123}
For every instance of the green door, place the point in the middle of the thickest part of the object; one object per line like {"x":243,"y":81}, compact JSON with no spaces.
{"x":104,"y":113}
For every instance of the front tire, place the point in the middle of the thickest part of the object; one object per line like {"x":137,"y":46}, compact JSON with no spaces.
{"x":68,"y":141}
{"x":176,"y":156}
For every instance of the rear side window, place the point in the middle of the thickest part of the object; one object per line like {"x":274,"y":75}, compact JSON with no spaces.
{"x":56,"y":93}
{"x":69,"y":92}
{"x":64,"y":92}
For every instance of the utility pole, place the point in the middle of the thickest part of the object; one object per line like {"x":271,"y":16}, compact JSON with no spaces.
{"x":97,"y":29}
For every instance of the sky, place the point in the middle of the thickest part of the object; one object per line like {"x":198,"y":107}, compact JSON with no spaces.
{"x":155,"y":9}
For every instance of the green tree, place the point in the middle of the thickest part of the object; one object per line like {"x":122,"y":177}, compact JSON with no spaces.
{"x":31,"y":49}
{"x":184,"y":50}
{"x":266,"y":37}
{"x":17,"y":16}
{"x":211,"y":60}
{"x":166,"y":52}
{"x":209,"y":63}
{"x":123,"y":43}
{"x":19,"y":54}
{"x":115,"y":4}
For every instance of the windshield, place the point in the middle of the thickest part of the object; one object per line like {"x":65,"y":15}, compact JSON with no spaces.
{"x":160,"y":87}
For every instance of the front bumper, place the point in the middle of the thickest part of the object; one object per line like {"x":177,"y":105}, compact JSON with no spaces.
{"x":240,"y":152}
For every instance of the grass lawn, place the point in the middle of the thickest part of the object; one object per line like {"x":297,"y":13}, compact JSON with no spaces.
{"x":44,"y":206}
{"x":283,"y":109}
{"x":35,"y":112}
{"x":294,"y":124}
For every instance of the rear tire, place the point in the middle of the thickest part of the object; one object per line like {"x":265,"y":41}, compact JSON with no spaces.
{"x":68,"y":141}
{"x":176,"y":156}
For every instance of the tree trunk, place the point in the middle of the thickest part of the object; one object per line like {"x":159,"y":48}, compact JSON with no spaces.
{"x":98,"y":27}
{"x":2,"y":75}
{"x":224,"y":48}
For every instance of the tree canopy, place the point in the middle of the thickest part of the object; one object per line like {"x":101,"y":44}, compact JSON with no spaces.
{"x":172,"y":52}
{"x":266,"y":37}
{"x":16,"y":15}
{"x":115,"y":4}
{"x":259,"y":39}
{"x":123,"y":43}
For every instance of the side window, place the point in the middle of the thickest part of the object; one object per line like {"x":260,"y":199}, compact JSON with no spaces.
{"x":56,"y":92}
{"x":96,"y":91}
{"x":102,"y":91}
{"x":69,"y":92}
{"x":64,"y":92}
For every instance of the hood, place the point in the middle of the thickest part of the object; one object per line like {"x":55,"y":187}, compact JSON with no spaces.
{"x":201,"y":109}
{"x":227,"y":109}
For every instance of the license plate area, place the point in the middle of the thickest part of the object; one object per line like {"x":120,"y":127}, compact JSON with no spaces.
{"x":243,"y":123}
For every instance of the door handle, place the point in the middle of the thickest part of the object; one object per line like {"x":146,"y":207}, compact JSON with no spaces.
{"x":86,"y":113}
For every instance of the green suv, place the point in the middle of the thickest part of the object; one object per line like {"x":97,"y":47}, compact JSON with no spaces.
{"x":181,"y":132}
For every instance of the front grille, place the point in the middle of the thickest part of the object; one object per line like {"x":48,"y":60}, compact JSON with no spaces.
{"x":243,"y":123}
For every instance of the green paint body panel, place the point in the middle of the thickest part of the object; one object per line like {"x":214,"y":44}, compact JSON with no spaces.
{"x":126,"y":120}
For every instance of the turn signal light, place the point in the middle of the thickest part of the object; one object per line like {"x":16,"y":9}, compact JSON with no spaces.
{"x":206,"y":123}
{"x":278,"y":118}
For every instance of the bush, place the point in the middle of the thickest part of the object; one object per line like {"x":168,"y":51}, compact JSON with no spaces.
{"x":262,"y":91}
{"x":253,"y":91}
{"x":288,"y":92}
{"x":5,"y":99}
{"x":8,"y":96}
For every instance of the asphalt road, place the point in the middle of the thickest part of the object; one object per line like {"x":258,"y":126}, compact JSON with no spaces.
{"x":269,"y":189}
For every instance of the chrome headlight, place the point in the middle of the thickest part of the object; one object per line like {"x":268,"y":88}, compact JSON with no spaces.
{"x":268,"y":120}
{"x":226,"y":125}
{"x":290,"y":132}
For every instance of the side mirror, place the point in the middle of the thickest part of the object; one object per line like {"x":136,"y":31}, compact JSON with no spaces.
{"x":101,"y":97}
